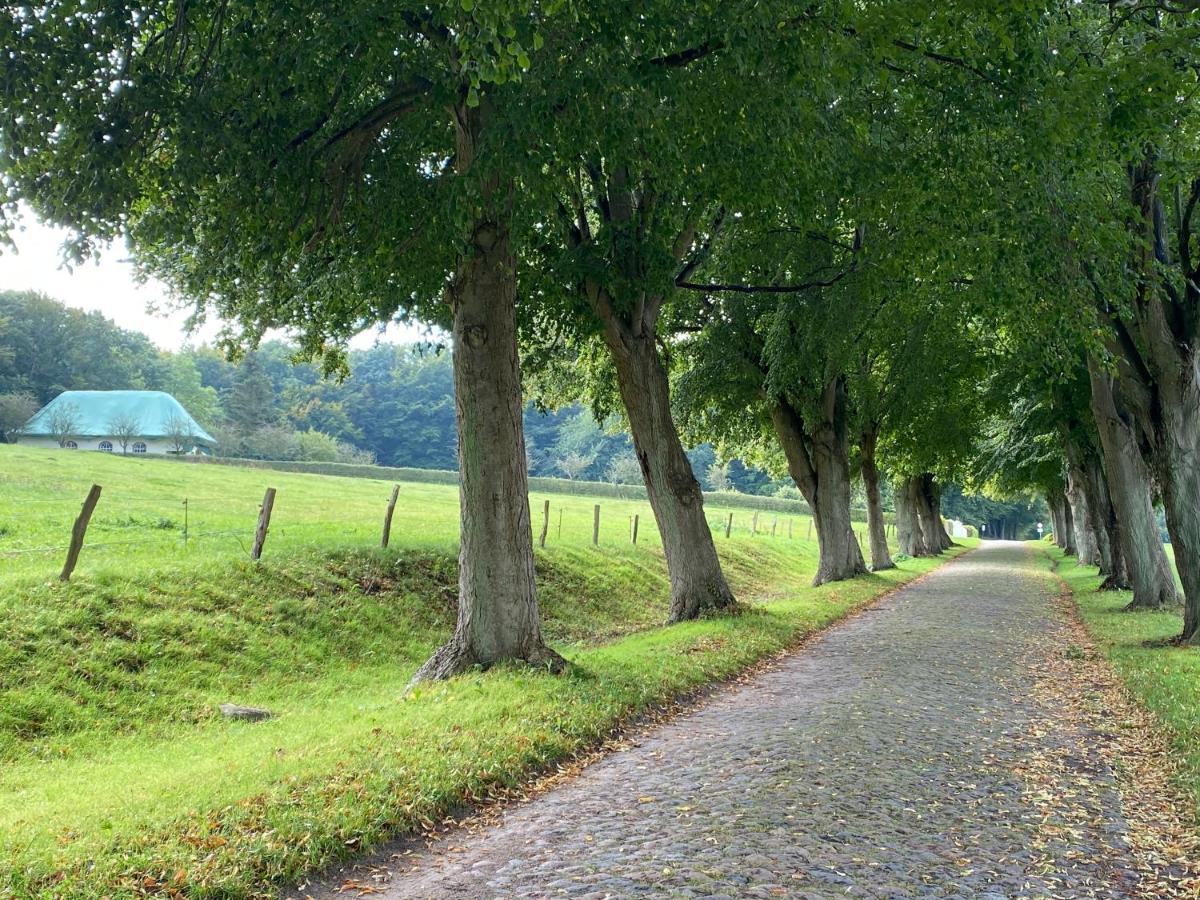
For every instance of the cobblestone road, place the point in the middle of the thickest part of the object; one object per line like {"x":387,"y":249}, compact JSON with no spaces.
{"x":893,"y":757}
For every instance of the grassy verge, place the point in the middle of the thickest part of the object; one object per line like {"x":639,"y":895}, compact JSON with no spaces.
{"x":116,"y":778}
{"x":1164,"y":677}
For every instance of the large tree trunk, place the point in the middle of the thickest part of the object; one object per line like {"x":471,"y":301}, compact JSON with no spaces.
{"x":1054,"y":502}
{"x":1086,"y":550}
{"x":498,"y":617}
{"x":697,"y":582}
{"x":1159,"y":381}
{"x":1108,"y":527}
{"x":1087,"y":472}
{"x":819,"y":462}
{"x":1131,"y":491}
{"x":881,"y":557}
{"x":1178,"y":465}
{"x":910,"y":536}
{"x":1068,"y":526}
{"x":929,"y":514}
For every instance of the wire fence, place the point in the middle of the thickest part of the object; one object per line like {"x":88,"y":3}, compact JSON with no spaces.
{"x":161,"y":526}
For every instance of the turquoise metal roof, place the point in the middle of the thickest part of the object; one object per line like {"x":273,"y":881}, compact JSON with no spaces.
{"x":94,"y":410}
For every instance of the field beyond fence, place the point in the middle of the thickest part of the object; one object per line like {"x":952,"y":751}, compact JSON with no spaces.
{"x":155,"y":510}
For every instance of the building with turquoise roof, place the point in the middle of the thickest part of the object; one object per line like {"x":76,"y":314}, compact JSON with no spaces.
{"x":138,"y":422}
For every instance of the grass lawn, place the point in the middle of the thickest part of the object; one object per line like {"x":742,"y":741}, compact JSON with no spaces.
{"x":1164,"y":677}
{"x":117,"y":778}
{"x":141,"y":515}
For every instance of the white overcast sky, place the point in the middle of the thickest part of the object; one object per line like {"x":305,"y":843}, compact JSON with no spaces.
{"x":111,"y":287}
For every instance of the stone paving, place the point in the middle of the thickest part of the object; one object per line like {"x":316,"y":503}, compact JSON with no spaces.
{"x":890,"y":758}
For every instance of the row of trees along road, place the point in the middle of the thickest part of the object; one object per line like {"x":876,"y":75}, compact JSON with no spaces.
{"x":807,"y":233}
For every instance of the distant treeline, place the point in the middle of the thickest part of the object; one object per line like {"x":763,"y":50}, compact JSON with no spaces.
{"x":395,"y":408}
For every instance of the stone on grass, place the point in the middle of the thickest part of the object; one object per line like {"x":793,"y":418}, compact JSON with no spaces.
{"x":245,"y":713}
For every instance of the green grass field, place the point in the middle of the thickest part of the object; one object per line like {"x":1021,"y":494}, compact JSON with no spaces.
{"x":141,"y":515}
{"x":1166,"y":678}
{"x":118,"y":778}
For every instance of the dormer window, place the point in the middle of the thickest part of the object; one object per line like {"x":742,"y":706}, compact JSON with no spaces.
{"x":139,"y":447}
{"x":105,"y":446}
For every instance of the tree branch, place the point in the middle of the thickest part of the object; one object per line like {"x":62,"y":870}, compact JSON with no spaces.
{"x":768,"y":288}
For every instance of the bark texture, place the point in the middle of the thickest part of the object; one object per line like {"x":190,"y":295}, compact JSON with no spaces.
{"x":1155,"y":339}
{"x":697,"y":581}
{"x":929,"y":514}
{"x":628,"y":302}
{"x":1131,"y":491}
{"x":819,"y":462}
{"x":881,"y":557}
{"x":498,"y":616}
{"x":1086,"y":549}
{"x":1054,"y":501}
{"x":908,"y":530}
{"x":1108,"y":527}
{"x":1087,"y":475}
{"x":1178,"y":456}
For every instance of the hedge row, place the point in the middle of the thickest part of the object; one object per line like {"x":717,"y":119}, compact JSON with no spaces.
{"x":536,"y":483}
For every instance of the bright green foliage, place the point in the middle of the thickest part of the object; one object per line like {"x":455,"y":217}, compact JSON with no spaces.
{"x":285,"y":166}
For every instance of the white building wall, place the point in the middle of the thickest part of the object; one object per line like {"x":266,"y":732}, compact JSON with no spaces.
{"x":154,"y":446}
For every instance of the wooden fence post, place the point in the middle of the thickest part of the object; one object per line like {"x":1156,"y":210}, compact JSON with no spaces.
{"x":387,"y":517}
{"x":789,"y":529}
{"x":633,"y":536}
{"x":774,"y":523}
{"x":810,"y":529}
{"x":560,"y":510}
{"x":545,"y":524}
{"x":729,"y":525}
{"x":185,"y":523}
{"x":754,"y":523}
{"x":264,"y":522}
{"x":596,"y":524}
{"x":79,"y":530}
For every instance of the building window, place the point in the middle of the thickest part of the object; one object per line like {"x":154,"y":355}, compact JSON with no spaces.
{"x":71,"y":445}
{"x":139,"y":447}
{"x":106,"y":446}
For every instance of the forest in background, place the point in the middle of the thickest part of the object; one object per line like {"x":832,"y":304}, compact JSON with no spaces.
{"x":395,"y":407}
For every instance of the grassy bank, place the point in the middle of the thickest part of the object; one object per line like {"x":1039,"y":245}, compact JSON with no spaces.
{"x":119,"y":778}
{"x":1164,"y":677}
{"x":130,"y":784}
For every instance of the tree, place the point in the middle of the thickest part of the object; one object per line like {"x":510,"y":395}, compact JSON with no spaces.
{"x":179,"y":433}
{"x":624,"y":470}
{"x":250,"y":403}
{"x":717,"y":477}
{"x":123,"y":428}
{"x":574,"y":465}
{"x":90,"y":352}
{"x":178,"y":375}
{"x":278,"y":201}
{"x":62,"y":422}
{"x":639,"y":202}
{"x":16,"y":408}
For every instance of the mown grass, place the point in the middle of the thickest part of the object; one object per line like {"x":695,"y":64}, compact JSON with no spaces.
{"x":141,"y":515}
{"x":117,"y":778}
{"x":1139,"y":645}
